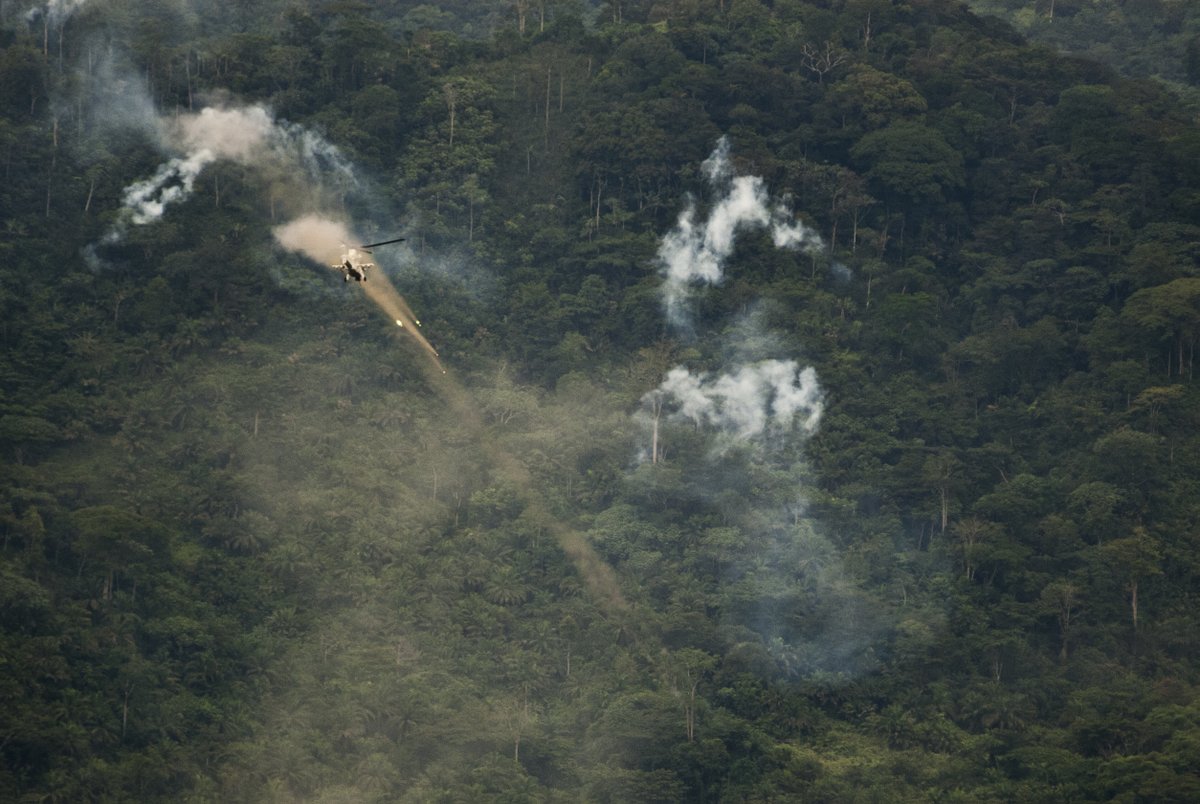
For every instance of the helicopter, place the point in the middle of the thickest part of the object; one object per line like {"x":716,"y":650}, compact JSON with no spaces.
{"x":354,"y":266}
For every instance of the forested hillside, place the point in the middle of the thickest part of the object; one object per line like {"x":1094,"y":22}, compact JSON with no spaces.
{"x":812,"y":417}
{"x":1141,"y":38}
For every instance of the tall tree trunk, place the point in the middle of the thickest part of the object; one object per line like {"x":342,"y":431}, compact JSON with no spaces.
{"x":1133,"y":603}
{"x":690,"y":714}
{"x":546,"y":118}
{"x":125,"y":711}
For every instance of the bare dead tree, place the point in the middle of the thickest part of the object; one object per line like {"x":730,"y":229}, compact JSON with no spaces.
{"x":821,"y":60}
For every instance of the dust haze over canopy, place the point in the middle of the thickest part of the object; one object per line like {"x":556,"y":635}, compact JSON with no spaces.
{"x":318,"y":237}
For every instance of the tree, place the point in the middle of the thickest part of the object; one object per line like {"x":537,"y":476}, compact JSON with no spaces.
{"x":690,"y":666}
{"x":941,"y":471}
{"x":516,"y":718}
{"x":868,"y":99}
{"x":911,"y":163}
{"x":821,"y":60}
{"x":118,"y":540}
{"x":1062,"y":599}
{"x":972,"y":533}
{"x":1168,"y":315}
{"x":1134,"y":558}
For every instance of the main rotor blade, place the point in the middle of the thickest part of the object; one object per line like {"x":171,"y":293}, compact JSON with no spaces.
{"x":384,"y":243}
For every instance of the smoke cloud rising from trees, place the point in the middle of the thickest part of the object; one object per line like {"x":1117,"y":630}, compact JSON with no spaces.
{"x":754,"y":400}
{"x":749,"y":401}
{"x":56,"y":12}
{"x":288,"y":156}
{"x":755,"y":397}
{"x":695,"y":252}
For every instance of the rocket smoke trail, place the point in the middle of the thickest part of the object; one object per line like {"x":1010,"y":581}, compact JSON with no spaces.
{"x":407,"y":310}
{"x":322,"y":239}
{"x":381,"y":291}
{"x":596,"y":574}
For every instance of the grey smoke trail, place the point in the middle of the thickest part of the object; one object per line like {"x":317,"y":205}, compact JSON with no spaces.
{"x":248,"y":135}
{"x":298,"y":163}
{"x":768,"y":396}
{"x":695,"y":252}
{"x":145,"y":201}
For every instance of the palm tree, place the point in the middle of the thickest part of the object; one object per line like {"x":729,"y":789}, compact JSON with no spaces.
{"x":505,"y":587}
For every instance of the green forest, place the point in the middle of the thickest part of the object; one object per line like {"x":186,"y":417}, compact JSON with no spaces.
{"x":792,"y":400}
{"x":1143,"y":38}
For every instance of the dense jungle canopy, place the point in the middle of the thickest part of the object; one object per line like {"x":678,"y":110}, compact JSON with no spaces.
{"x":1143,"y":38}
{"x":819,"y":420}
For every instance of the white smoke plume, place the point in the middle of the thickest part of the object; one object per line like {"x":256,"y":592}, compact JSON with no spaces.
{"x":56,"y":12}
{"x":117,"y":101}
{"x":246,"y":135}
{"x":695,"y":253}
{"x":235,"y":134}
{"x":145,"y":201}
{"x":771,"y":396}
{"x":319,"y":238}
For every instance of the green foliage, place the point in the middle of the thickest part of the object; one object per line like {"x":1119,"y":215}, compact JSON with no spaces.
{"x":911,"y":163}
{"x":1139,"y":38}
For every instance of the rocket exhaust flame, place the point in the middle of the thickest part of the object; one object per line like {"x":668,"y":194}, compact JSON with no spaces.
{"x":408,"y":313}
{"x":381,"y":291}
